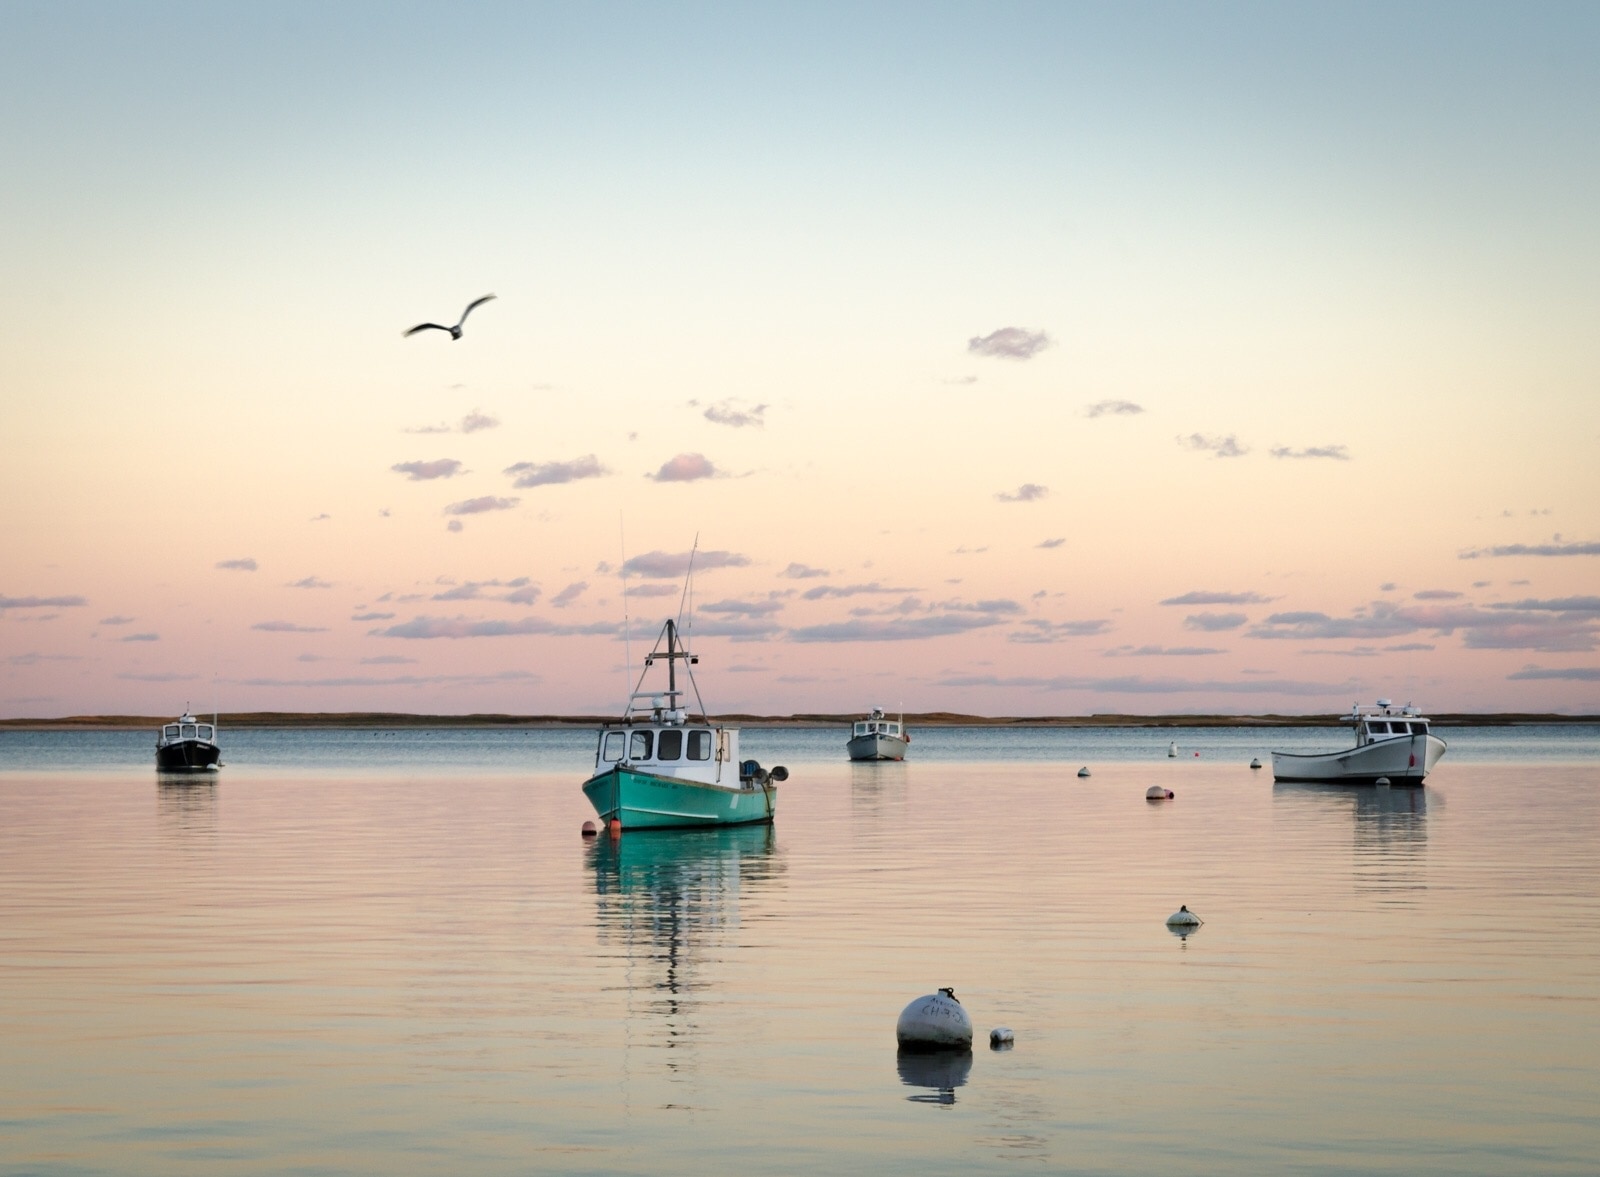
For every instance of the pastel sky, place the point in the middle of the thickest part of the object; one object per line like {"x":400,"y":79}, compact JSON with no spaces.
{"x":1021,"y":359}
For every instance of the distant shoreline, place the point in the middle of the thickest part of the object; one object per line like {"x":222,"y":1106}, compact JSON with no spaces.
{"x":390,"y":719}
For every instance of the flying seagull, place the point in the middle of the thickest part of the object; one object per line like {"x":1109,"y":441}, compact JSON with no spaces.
{"x":455,"y":332}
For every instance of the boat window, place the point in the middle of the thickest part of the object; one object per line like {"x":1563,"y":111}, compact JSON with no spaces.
{"x":700,"y":745}
{"x":172,"y":731}
{"x":639,"y":746}
{"x":205,"y":731}
{"x":669,"y":745}
{"x":894,"y":729}
{"x":861,"y":729}
{"x":611,"y":746}
{"x":188,"y":731}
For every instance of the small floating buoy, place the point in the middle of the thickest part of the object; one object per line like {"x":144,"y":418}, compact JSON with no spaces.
{"x":1172,"y":748}
{"x":934,"y":1022}
{"x":1255,"y":762}
{"x":588,"y":829}
{"x":1001,"y":1036}
{"x":1157,"y":793}
{"x":614,"y":826}
{"x":1197,"y":753}
{"x":1183,"y":918}
{"x":1084,"y":771}
{"x":1382,"y":782}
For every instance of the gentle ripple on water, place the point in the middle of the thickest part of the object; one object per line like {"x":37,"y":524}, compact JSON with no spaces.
{"x":291,"y":969}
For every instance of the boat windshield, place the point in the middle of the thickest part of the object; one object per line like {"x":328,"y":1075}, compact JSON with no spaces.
{"x":171,"y":731}
{"x":206,"y":731}
{"x":611,"y":745}
{"x":188,"y":731}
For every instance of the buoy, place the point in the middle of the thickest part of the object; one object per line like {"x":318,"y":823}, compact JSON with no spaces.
{"x":1001,"y":1036}
{"x":1157,"y":793}
{"x":1382,"y":782}
{"x":1172,"y":748}
{"x":1183,"y":918}
{"x":1255,"y":762}
{"x":588,"y":829}
{"x":934,"y":1022}
{"x":1197,"y":753}
{"x":1084,"y":771}
{"x":614,"y":826}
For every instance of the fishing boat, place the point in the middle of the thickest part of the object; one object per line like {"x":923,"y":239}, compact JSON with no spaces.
{"x":662,"y":767}
{"x":187,"y":745}
{"x":1393,"y":745}
{"x":877,"y":737}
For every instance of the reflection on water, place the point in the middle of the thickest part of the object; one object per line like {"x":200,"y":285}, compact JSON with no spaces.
{"x":1389,"y":825}
{"x":186,"y":803}
{"x":941,"y":1071}
{"x":670,"y":900}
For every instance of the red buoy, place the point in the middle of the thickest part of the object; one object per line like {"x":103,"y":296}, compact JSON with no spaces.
{"x":614,"y":827}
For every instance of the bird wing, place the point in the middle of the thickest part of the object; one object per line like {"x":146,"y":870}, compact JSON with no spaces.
{"x":477,"y":302}
{"x":424,"y":327}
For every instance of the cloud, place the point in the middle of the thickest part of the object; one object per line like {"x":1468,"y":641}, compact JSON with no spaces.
{"x":1009,"y":343}
{"x":470,"y":591}
{"x":321,"y":517}
{"x":673,"y":565}
{"x":372,"y":617}
{"x":116,"y":620}
{"x":313,"y":658}
{"x":481,"y":504}
{"x":41,"y":602}
{"x":525,"y":595}
{"x":1482,"y":629}
{"x":1556,"y":605}
{"x":727,"y":412}
{"x":1051,"y":543}
{"x":475,"y":421}
{"x":1136,"y":685}
{"x":1116,"y":408}
{"x":439,"y":428}
{"x":1161,"y":651}
{"x":1036,"y":630}
{"x":1202,"y":597}
{"x":454,"y":525}
{"x":1214,"y":622}
{"x":288,"y":627}
{"x":424,"y":471}
{"x":243,"y":564}
{"x":763,"y":608}
{"x":1409,"y":647}
{"x":1556,"y":549}
{"x":159,"y":677}
{"x":1383,"y":622}
{"x":310,"y":582}
{"x":403,"y":680}
{"x":685,"y":468}
{"x":1569,"y":673}
{"x":1337,"y":452}
{"x":1026,"y":493}
{"x":828,"y":591}
{"x":1437,"y":595}
{"x":141,"y":637}
{"x":388,"y":660}
{"x":740,"y":629}
{"x":653,"y":590}
{"x":530,"y":474}
{"x":1223,"y":447}
{"x":32,"y":659}
{"x":900,"y":629}
{"x":569,"y":594}
{"x":803,"y":572}
{"x":460,"y":627}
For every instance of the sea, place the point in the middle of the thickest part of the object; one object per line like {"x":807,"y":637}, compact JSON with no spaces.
{"x":394,"y":952}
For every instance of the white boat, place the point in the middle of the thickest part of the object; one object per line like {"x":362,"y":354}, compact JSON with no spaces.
{"x":877,"y":737}
{"x":187,"y":745}
{"x":1393,"y":744}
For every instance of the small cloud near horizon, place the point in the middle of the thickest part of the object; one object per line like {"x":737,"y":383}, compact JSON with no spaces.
{"x":1009,"y":343}
{"x":1204,"y":597}
{"x":288,"y":627}
{"x":569,"y":594}
{"x":475,"y":421}
{"x":309,"y":582}
{"x":1026,"y":493}
{"x":803,"y":572}
{"x":243,"y":564}
{"x":141,"y":637}
{"x":673,"y":565}
{"x":1214,"y":622}
{"x":481,"y":504}
{"x":1568,"y":673}
{"x":531,"y":474}
{"x":1338,"y":453}
{"x":728,"y":412}
{"x":117,"y":619}
{"x":1037,"y":630}
{"x":1112,"y":408}
{"x":1051,"y":543}
{"x":1551,"y":549}
{"x":1222,"y":447}
{"x":426,"y":471}
{"x":42,"y":602}
{"x":1437,"y":595}
{"x":684,"y":468}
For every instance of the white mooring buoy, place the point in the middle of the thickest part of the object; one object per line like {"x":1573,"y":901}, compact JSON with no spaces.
{"x":934,"y":1022}
{"x":1382,"y":782}
{"x":1172,"y":748}
{"x":1183,"y":918}
{"x":1157,"y":793}
{"x":1001,"y":1036}
{"x":1084,"y":771}
{"x":1255,"y":762}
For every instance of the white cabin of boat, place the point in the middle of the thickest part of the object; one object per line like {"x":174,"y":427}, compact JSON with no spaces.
{"x":1386,"y":722}
{"x":658,"y":736}
{"x":186,"y":727}
{"x":876,"y":724}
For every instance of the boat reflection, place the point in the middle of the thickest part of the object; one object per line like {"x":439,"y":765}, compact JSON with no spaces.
{"x":940,"y":1071}
{"x":1389,"y":825}
{"x":186,"y":804}
{"x":670,"y":900}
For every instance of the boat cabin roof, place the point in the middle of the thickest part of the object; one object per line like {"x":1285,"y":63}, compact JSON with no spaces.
{"x":1382,"y":710}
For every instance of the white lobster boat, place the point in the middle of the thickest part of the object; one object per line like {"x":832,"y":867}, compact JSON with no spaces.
{"x":877,"y":737}
{"x":1393,"y":744}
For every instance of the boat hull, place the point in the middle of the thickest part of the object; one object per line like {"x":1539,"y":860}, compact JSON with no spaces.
{"x":187,"y":756}
{"x":1403,"y":761}
{"x":643,"y":800}
{"x":876,"y":746}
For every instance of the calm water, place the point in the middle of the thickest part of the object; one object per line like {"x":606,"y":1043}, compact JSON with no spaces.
{"x":359,"y":953}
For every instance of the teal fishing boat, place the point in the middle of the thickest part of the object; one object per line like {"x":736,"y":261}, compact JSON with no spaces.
{"x":662,"y":767}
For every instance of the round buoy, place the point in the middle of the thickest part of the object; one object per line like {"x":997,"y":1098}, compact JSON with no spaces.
{"x":1382,"y":782}
{"x":1183,"y":918}
{"x":1172,"y":748}
{"x":1197,"y":753}
{"x":614,"y":826}
{"x":1084,"y":771}
{"x":588,"y":829}
{"x":1255,"y":762}
{"x":1157,"y":793}
{"x":934,"y":1022}
{"x":1001,"y":1036}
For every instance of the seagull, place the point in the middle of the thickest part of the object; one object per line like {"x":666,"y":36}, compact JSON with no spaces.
{"x":455,"y":332}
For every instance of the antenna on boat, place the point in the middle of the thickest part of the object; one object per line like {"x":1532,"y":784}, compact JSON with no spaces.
{"x":622,"y":571}
{"x":688,"y":588}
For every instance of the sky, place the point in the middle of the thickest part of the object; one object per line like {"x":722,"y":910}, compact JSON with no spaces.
{"x":1007,"y":359}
